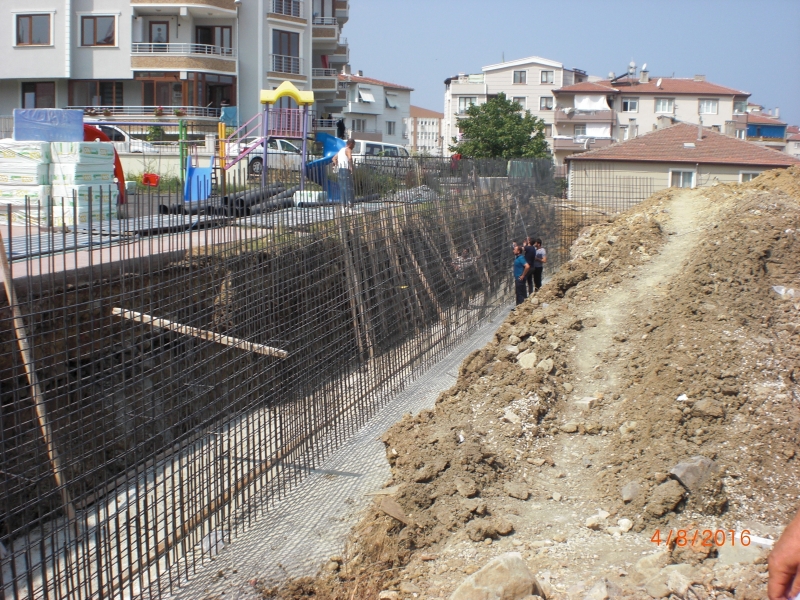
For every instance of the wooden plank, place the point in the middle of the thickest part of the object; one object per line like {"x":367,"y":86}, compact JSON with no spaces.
{"x":36,"y":391}
{"x":203,"y":334}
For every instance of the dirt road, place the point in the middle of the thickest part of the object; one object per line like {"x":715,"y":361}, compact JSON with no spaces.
{"x":650,"y":387}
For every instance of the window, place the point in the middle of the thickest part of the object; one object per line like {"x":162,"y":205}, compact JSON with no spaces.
{"x":740,"y":107}
{"x":39,"y":95}
{"x":464,"y":102}
{"x":745,"y":176}
{"x":548,"y":131}
{"x":359,"y":125}
{"x":365,"y":94}
{"x":219,"y":36}
{"x":390,"y":151}
{"x":580,"y":130}
{"x":98,"y":31}
{"x":391,"y":100}
{"x":708,"y":106}
{"x":741,"y":134}
{"x":521,"y":100}
{"x":374,"y":150}
{"x":520,"y":77}
{"x":548,"y":76}
{"x":630,"y":105}
{"x":159,"y":32}
{"x":682,"y":179}
{"x":546,"y":103}
{"x":95,"y":93}
{"x":391,"y":127}
{"x":33,"y":30}
{"x":623,"y":132}
{"x":286,"y":52}
{"x":665,"y":105}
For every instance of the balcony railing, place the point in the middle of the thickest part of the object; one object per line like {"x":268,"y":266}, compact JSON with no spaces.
{"x":325,"y":21}
{"x":324,"y":73}
{"x":580,"y":143}
{"x":324,"y":124}
{"x":287,"y":64}
{"x":594,"y":116}
{"x":183,"y":49}
{"x":290,"y":8}
{"x":288,"y":122}
{"x":149,"y":112}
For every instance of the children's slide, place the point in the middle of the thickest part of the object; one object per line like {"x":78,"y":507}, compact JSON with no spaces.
{"x":315,"y":170}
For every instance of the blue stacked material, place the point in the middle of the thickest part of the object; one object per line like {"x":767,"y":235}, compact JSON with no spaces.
{"x":315,"y":170}
{"x":48,"y":125}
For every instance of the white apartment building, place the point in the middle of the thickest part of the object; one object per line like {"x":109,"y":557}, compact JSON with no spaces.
{"x":593,"y":114}
{"x":375,"y":110}
{"x":127,"y":58}
{"x":529,"y":81}
{"x":424,"y":128}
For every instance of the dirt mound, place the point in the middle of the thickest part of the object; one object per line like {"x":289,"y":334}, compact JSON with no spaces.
{"x":648,"y":387}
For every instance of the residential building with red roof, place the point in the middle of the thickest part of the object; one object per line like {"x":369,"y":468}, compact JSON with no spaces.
{"x":793,"y":141}
{"x":766,"y":129}
{"x":375,"y":110}
{"x":424,"y":129}
{"x":595,"y":114}
{"x":682,"y":155}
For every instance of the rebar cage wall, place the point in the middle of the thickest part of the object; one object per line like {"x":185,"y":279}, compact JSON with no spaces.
{"x":170,"y":443}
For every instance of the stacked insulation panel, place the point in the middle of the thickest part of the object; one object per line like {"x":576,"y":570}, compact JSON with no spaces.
{"x":83,"y":185}
{"x":24,"y":182}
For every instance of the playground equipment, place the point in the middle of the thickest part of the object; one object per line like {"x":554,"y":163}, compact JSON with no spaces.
{"x":271,"y":123}
{"x":315,"y":170}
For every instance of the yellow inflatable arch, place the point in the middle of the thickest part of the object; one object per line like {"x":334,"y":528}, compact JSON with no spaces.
{"x":287,"y":89}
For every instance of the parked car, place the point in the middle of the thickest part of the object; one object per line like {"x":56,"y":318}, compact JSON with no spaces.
{"x":282,"y":154}
{"x":123,"y":141}
{"x":365,"y":149}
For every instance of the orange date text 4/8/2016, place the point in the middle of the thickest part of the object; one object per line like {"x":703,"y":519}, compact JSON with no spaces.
{"x":702,"y":537}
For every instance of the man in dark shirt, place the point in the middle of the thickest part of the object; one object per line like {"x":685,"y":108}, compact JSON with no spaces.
{"x":521,"y":268}
{"x":540,"y":257}
{"x":530,"y":256}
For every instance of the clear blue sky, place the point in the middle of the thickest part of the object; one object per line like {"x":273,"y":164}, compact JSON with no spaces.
{"x":748,"y":45}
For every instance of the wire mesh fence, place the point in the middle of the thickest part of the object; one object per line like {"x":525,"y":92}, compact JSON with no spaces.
{"x":164,"y":376}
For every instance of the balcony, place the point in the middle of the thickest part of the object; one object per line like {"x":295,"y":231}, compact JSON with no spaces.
{"x":369,"y":134}
{"x":148,"y":113}
{"x":287,"y":10}
{"x":325,"y":125}
{"x":595,"y":116}
{"x":182,"y":57}
{"x":342,"y":8}
{"x":341,"y":54}
{"x":202,"y":6}
{"x":325,"y":33}
{"x":580,"y":144}
{"x":324,"y":80}
{"x":287,"y":67}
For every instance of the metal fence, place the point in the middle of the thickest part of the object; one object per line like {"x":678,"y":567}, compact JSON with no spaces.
{"x":164,"y":376}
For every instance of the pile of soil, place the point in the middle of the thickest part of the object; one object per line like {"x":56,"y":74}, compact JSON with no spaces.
{"x":567,"y":438}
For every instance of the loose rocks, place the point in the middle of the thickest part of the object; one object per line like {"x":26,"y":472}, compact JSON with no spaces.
{"x":691,"y":473}
{"x":507,"y":577}
{"x":665,"y":498}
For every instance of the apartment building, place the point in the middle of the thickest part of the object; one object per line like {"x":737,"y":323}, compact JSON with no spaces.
{"x":375,"y":110}
{"x":793,"y":141}
{"x":424,"y":128}
{"x":594,"y":114}
{"x":766,"y":130}
{"x":528,"y":81}
{"x":138,"y":58}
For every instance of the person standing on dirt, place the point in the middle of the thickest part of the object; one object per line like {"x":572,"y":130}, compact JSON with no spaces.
{"x":530,"y":256}
{"x":784,"y":564}
{"x":540,"y":258}
{"x":343,"y":161}
{"x":521,"y":268}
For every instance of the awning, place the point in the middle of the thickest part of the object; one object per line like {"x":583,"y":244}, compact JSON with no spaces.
{"x":598,"y":130}
{"x":365,"y":95}
{"x":391,"y":100}
{"x":591,"y":102}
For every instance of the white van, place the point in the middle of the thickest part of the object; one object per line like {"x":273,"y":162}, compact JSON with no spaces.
{"x":123,"y":141}
{"x":365,"y":149}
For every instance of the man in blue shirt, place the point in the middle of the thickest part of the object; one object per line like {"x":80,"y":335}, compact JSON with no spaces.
{"x":521,"y":268}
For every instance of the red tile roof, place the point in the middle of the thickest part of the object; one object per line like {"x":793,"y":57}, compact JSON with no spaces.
{"x":370,"y":80}
{"x":763,"y":119}
{"x":793,"y":137}
{"x":418,"y":111}
{"x":793,"y":129}
{"x":667,"y":145}
{"x":669,"y":85}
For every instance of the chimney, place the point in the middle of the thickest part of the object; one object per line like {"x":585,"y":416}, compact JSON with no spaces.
{"x":632,"y":131}
{"x":644,"y":76}
{"x":777,"y":112}
{"x":699,"y":77}
{"x":361,"y":73}
{"x":700,"y":129}
{"x":346,"y":70}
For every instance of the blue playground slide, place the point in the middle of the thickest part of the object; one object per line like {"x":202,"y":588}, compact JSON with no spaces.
{"x":315,"y":170}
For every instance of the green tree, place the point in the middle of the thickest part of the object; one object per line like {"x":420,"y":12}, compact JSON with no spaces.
{"x":500,"y":129}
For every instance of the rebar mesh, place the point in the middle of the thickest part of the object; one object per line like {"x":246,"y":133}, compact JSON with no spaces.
{"x":169,"y":437}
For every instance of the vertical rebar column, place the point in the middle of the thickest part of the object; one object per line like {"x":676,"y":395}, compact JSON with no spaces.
{"x":303,"y":159}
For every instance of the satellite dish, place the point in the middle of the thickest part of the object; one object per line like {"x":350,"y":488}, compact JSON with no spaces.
{"x":632,"y":65}
{"x":644,"y":67}
{"x":611,"y":75}
{"x":658,"y":83}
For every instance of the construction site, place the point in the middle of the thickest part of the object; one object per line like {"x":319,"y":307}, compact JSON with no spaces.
{"x":254,"y":388}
